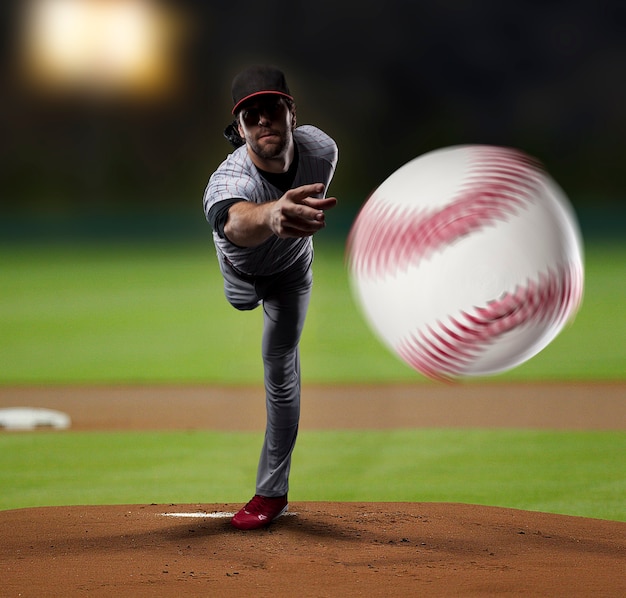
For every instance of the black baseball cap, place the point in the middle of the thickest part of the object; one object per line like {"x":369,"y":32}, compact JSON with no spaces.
{"x":258,"y":80}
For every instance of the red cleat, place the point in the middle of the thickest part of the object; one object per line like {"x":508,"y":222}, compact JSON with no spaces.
{"x":260,"y":511}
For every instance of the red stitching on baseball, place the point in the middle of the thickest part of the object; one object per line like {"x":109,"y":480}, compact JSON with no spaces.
{"x":387,"y":238}
{"x":453,"y":344}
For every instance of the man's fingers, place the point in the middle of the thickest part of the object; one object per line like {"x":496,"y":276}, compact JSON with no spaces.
{"x":320,"y":204}
{"x":299,"y":193}
{"x":299,"y":229}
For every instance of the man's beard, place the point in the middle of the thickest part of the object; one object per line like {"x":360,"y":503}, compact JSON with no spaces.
{"x":269,"y":151}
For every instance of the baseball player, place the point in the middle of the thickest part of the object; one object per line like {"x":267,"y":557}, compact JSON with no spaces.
{"x":264,"y":203}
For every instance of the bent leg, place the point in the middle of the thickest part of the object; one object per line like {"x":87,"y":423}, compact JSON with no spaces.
{"x":239,"y":292}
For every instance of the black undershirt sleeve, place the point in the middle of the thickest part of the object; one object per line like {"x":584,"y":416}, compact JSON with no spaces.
{"x":218,"y":214}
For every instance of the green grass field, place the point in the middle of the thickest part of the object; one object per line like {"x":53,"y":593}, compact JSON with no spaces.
{"x":573,"y":473}
{"x":100,"y":314}
{"x":156,"y":313}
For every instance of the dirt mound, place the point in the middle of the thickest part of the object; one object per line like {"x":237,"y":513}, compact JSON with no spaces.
{"x":318,"y":549}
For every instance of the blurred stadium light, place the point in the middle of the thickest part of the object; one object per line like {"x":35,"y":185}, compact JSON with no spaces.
{"x":100,"y":47}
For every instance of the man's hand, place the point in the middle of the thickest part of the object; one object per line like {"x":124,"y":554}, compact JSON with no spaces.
{"x":295,"y":214}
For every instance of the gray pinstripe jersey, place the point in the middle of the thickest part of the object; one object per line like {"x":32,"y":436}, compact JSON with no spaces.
{"x":238,"y":178}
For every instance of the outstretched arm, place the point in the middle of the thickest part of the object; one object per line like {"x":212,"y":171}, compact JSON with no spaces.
{"x":295,"y":214}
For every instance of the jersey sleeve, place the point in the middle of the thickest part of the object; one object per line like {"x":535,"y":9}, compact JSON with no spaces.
{"x":319,"y":156}
{"x":231,"y":181}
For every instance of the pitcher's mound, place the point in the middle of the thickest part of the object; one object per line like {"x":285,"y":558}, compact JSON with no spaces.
{"x":320,"y":549}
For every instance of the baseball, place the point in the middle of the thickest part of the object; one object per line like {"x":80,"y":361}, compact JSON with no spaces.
{"x":467,"y":261}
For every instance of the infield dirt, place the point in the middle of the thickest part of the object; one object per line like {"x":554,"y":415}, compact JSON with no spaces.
{"x":320,"y":549}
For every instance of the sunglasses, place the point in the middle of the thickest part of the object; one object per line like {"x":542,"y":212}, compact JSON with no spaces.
{"x":272,"y":108}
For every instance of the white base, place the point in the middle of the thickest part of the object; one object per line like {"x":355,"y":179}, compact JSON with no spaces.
{"x":29,"y":418}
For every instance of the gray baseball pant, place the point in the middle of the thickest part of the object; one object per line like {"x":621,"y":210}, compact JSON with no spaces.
{"x":285,"y":299}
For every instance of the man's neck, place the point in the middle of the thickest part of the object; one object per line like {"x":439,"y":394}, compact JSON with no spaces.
{"x":283,"y":180}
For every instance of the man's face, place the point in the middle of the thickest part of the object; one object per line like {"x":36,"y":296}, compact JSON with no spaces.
{"x":266,"y":123}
